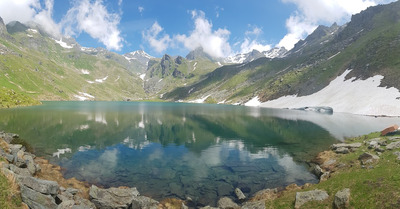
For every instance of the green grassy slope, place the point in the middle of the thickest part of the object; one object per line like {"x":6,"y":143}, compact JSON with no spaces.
{"x":36,"y":65}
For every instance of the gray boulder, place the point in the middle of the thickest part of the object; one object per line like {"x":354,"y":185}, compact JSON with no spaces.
{"x":227,"y":203}
{"x":37,"y":200}
{"x":393,"y":145}
{"x":39,"y":185}
{"x":313,"y":195}
{"x":142,"y":202}
{"x":348,"y":146}
{"x":367,"y":158}
{"x":317,"y":170}
{"x":66,"y":204}
{"x":112,"y":197}
{"x":19,"y":171}
{"x":342,"y":199}
{"x":254,"y":205}
{"x":342,"y":150}
{"x":30,"y":164}
{"x":324,"y":177}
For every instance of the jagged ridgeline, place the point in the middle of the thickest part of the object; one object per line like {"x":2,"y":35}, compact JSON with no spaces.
{"x":45,"y":67}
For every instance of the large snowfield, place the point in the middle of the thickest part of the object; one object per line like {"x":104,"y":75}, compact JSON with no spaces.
{"x":363,"y":97}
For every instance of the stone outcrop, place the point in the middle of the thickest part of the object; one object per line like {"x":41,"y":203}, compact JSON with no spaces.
{"x":342,"y":199}
{"x":227,"y":203}
{"x":314,"y":195}
{"x":393,"y":145}
{"x":37,"y":200}
{"x":112,"y":197}
{"x":367,"y":158}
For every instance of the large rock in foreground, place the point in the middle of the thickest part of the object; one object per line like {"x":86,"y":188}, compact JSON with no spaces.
{"x":37,"y":200}
{"x":342,"y":199}
{"x":112,"y":197}
{"x":304,"y":197}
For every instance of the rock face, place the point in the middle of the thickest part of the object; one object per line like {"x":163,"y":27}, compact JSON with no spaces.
{"x":390,"y":129}
{"x":367,"y":158}
{"x":342,"y":199}
{"x":304,"y":197}
{"x":112,"y":197}
{"x":39,"y":185}
{"x":37,"y":200}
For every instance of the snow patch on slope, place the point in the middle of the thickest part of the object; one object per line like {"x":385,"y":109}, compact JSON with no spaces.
{"x":63,"y":44}
{"x":363,"y":97}
{"x":82,"y":96}
{"x":253,"y":102}
{"x":101,"y":80}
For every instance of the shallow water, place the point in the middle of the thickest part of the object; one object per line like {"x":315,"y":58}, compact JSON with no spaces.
{"x":182,"y":150}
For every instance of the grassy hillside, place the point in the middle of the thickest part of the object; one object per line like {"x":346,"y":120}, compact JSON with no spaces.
{"x":35,"y":64}
{"x":10,"y":98}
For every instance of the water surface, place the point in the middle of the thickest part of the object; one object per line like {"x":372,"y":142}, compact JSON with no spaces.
{"x":182,"y":150}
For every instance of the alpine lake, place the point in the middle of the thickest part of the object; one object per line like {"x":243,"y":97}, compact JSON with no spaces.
{"x":178,"y":150}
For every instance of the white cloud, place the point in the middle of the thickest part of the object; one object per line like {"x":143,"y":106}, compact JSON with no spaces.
{"x":311,"y":13}
{"x":214,"y":42}
{"x":22,"y":10}
{"x":140,"y":9}
{"x":251,"y":41}
{"x":45,"y":19}
{"x":159,"y":44}
{"x":93,"y":18}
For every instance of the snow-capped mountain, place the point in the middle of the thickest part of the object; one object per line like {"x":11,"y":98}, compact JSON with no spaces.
{"x":253,"y":55}
{"x":138,"y":55}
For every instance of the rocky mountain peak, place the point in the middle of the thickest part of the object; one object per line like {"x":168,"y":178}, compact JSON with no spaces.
{"x":3,"y":28}
{"x":198,"y":54}
{"x":16,"y":27}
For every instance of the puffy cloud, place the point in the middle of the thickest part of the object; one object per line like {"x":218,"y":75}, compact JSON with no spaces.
{"x":45,"y":19}
{"x":93,"y":18}
{"x":311,"y":13}
{"x":152,"y":36}
{"x":22,"y":10}
{"x":251,"y":41}
{"x":214,"y":42}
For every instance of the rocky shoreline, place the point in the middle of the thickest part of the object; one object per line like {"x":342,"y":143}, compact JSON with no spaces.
{"x":43,"y":186}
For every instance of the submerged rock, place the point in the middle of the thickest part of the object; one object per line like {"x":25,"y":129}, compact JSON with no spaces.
{"x":239,"y":194}
{"x":313,"y":195}
{"x":342,"y":199}
{"x":323,"y":110}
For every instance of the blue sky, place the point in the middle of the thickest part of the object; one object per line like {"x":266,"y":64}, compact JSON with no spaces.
{"x":221,"y":27}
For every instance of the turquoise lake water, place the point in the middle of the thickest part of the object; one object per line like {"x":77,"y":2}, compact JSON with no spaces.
{"x":182,"y":150}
